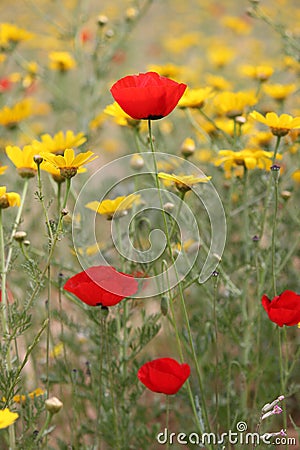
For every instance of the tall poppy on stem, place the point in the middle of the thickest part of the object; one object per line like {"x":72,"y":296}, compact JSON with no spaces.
{"x":284,"y":309}
{"x":147,"y":96}
{"x":101,"y":286}
{"x":164,"y":375}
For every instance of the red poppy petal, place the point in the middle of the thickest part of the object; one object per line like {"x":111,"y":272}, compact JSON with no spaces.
{"x":164,"y":375}
{"x":147,"y":96}
{"x":266,"y":302}
{"x":101,"y":285}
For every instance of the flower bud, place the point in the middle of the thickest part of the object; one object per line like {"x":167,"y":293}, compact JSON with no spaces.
{"x":286,"y":194}
{"x":164,"y":305}
{"x":240,"y":120}
{"x":275,"y":170}
{"x":38,"y":159}
{"x":102,"y":20}
{"x":131,"y":13}
{"x":136,"y":162}
{"x":19,"y":236}
{"x":53,"y":405}
{"x":168,"y":206}
{"x":64,"y":212}
{"x":188,"y":147}
{"x":109,"y":33}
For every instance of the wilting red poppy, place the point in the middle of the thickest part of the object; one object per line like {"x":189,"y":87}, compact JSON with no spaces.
{"x":101,"y":285}
{"x":284,"y":309}
{"x":164,"y":375}
{"x":147,"y":95}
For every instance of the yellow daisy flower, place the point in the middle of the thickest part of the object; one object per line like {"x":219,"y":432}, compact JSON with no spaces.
{"x":220,"y":56}
{"x":247,"y":158}
{"x":10,"y":117}
{"x":2,"y":169}
{"x":11,"y":34}
{"x":52,"y":170}
{"x":261,"y":73}
{"x":57,"y":350}
{"x":236,"y":24}
{"x":296,"y":176}
{"x":195,"y":98}
{"x":22,"y":398}
{"x":114,"y":208}
{"x":182,"y":182}
{"x":233,"y":104}
{"x":68,"y":164}
{"x":23,"y":159}
{"x":168,"y":70}
{"x":61,"y":61}
{"x":217,"y":82}
{"x":261,"y":139}
{"x":97,"y":122}
{"x":188,"y":147}
{"x":227,"y":125}
{"x":279,"y":125}
{"x":278,"y":91}
{"x":121,"y":118}
{"x":8,"y":198}
{"x":7,"y":418}
{"x":59,"y":142}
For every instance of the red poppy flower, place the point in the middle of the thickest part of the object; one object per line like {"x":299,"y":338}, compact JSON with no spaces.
{"x":147,"y":95}
{"x":9,"y":296}
{"x":284,"y":309}
{"x":164,"y":375}
{"x":101,"y":285}
{"x":5,"y":85}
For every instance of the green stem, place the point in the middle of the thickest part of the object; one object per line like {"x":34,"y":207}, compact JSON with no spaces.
{"x":179,"y":346}
{"x":5,"y":325}
{"x":262,"y":227}
{"x":182,"y":301}
{"x":282,"y":373}
{"x":17,"y":222}
{"x":48,"y":331}
{"x":167,"y":417}
{"x":276,"y":176}
{"x":58,"y":198}
{"x":276,"y":149}
{"x":225,"y":135}
{"x":56,"y":237}
{"x":215,"y":321}
{"x":45,"y":426}
{"x":4,"y":315}
{"x":41,"y":199}
{"x":111,"y":387}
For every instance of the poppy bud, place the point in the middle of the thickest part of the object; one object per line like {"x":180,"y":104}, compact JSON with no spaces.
{"x":164,"y":305}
